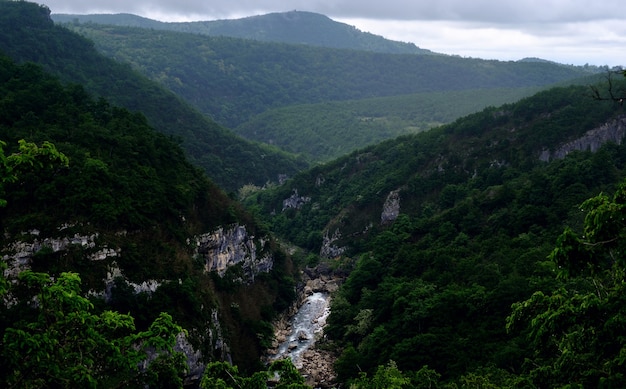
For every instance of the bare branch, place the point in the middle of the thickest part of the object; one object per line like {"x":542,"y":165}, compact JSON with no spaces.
{"x":617,"y":96}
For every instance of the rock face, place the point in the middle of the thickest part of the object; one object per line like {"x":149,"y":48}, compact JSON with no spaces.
{"x":220,"y":249}
{"x":18,"y":254}
{"x":592,"y":140}
{"x":391,"y":208}
{"x":295,"y":201}
{"x":329,"y":249}
{"x":227,"y":247}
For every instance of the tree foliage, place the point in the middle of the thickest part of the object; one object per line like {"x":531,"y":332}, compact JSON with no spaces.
{"x":234,"y":79}
{"x":479,"y":214}
{"x":28,"y":158}
{"x":61,"y":341}
{"x":28,"y":35}
{"x":577,"y":329}
{"x":280,"y":374}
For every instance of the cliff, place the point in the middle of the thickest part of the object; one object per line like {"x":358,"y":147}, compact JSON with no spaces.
{"x":611,"y":131}
{"x":228,"y":247}
{"x":220,"y":250}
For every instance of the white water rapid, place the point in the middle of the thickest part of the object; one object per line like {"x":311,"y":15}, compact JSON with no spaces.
{"x":308,"y":322}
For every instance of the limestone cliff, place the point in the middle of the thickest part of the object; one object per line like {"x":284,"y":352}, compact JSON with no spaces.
{"x":592,"y":140}
{"x":391,"y":208}
{"x":221,"y":249}
{"x":228,"y":247}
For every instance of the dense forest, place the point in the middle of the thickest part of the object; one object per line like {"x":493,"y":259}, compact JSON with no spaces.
{"x":28,"y":34}
{"x":484,"y":253}
{"x":128,"y":189}
{"x":325,"y":131}
{"x":480,"y":214}
{"x":232,"y":80}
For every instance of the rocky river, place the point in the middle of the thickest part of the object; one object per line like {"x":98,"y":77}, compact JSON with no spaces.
{"x":297,"y":332}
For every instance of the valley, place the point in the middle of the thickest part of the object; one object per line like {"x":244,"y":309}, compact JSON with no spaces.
{"x":217,"y":211}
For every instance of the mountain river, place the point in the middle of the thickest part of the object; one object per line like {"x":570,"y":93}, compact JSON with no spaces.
{"x":306,"y":324}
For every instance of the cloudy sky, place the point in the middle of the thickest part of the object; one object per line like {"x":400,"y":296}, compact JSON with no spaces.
{"x":567,"y":31}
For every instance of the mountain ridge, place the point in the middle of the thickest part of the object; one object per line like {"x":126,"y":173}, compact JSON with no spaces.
{"x":29,"y":34}
{"x":295,"y":27}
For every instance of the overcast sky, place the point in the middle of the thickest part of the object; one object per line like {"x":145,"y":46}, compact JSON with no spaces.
{"x":566,"y":31}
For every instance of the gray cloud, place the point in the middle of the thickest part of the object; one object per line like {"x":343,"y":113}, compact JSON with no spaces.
{"x":492,"y":11}
{"x":568,"y":31}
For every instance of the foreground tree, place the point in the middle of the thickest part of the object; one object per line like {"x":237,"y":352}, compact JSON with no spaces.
{"x":60,"y":341}
{"x":53,"y":336}
{"x":280,"y":374}
{"x":578,"y":330}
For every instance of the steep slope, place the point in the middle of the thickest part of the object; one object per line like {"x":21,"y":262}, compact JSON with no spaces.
{"x":146,"y":231}
{"x":295,"y":27}
{"x":28,"y":34}
{"x":232,"y":79}
{"x":444,"y":230}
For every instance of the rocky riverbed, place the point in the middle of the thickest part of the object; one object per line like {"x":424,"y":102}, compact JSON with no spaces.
{"x":297,"y":332}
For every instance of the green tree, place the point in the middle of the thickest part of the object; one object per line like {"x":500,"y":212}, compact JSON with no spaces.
{"x":281,"y":374}
{"x":386,"y":377}
{"x":60,"y":341}
{"x":29,"y":157}
{"x":577,"y":330}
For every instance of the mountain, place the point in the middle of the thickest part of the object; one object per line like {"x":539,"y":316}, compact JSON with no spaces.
{"x":444,"y":230}
{"x":232,"y":80}
{"x":294,"y":27}
{"x":145,"y":230}
{"x":326,"y":131}
{"x":28,"y":34}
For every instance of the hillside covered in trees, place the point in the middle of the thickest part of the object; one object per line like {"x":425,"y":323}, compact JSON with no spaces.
{"x":483,"y":253}
{"x":232,"y":80}
{"x":445,"y":230}
{"x":122,"y":212}
{"x":28,"y":34}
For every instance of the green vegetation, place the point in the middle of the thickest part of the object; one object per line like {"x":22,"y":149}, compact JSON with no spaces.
{"x":102,"y":171}
{"x":61,"y":342}
{"x":27,"y":34}
{"x":232,"y":80}
{"x":479,"y":215}
{"x":294,"y":27}
{"x":325,"y":131}
{"x":492,"y":275}
{"x":281,"y":374}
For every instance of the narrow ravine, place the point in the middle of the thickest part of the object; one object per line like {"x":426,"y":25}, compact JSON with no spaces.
{"x":300,"y":329}
{"x":307,"y":324}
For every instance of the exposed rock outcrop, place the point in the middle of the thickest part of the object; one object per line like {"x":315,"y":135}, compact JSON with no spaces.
{"x":592,"y":140}
{"x":18,"y":254}
{"x":227,"y":247}
{"x":295,"y":201}
{"x":329,"y":249}
{"x":220,"y":249}
{"x":391,"y":208}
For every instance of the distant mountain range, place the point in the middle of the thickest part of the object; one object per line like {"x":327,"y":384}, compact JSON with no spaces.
{"x":296,"y":27}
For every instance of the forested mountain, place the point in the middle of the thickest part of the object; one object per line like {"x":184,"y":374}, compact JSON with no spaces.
{"x":295,"y":27}
{"x":325,"y":131}
{"x":28,"y":34}
{"x":469,"y":259}
{"x":233,"y":80}
{"x":444,"y":230}
{"x":128,"y":214}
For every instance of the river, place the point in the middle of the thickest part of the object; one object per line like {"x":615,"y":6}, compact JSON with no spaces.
{"x":306,"y":324}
